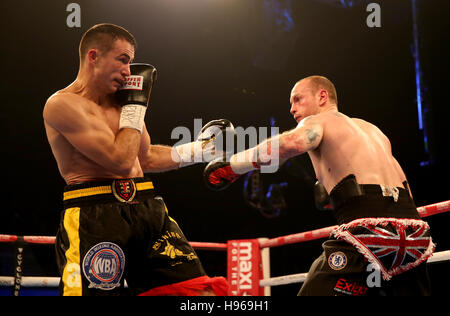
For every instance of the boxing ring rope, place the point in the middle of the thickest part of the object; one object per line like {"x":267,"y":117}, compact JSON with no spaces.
{"x":48,"y":240}
{"x":424,"y":211}
{"x":262,"y":243}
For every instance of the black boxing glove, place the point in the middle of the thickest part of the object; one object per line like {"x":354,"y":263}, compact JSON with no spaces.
{"x":219,"y":175}
{"x":321,"y":197}
{"x":134,"y":95}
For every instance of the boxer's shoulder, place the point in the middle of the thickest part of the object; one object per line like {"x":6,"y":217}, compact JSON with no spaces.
{"x":68,"y":102}
{"x":65,"y":98}
{"x":332,"y":117}
{"x":325,"y":118}
{"x":62,"y":107}
{"x":338,"y":119}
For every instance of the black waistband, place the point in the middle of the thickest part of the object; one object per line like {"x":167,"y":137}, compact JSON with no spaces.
{"x":351,"y":200}
{"x":114,"y":190}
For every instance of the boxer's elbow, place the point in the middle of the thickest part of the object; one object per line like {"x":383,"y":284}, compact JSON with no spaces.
{"x":124,"y":151}
{"x":123,"y":167}
{"x":147,"y":160}
{"x":122,"y":163}
{"x":159,"y":158}
{"x":304,"y":139}
{"x":293,"y":144}
{"x":148,"y":164}
{"x":300,"y":141}
{"x":288,"y":149}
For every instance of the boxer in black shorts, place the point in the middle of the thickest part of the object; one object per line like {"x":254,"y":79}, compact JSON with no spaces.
{"x":120,"y":230}
{"x":113,"y":227}
{"x":353,"y":162}
{"x":392,"y":242}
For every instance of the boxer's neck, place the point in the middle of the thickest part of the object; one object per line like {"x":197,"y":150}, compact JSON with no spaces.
{"x":86,"y":86}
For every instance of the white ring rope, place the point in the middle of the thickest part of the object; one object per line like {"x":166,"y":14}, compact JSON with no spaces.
{"x":34,"y":281}
{"x":31,"y":281}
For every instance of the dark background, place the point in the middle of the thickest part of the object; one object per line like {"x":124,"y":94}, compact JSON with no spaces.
{"x":230,"y":59}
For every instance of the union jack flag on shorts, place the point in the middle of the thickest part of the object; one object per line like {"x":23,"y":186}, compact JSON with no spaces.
{"x":394,"y":245}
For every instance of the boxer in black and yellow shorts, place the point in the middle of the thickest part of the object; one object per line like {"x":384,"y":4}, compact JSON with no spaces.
{"x":116,"y":230}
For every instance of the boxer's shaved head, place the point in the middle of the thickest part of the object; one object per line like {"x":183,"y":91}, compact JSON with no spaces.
{"x":319,"y":82}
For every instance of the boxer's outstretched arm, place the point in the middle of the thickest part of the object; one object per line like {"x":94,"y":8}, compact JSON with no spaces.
{"x":272,"y":152}
{"x":159,"y":158}
{"x":155,"y":158}
{"x":91,"y":136}
{"x":306,"y":137}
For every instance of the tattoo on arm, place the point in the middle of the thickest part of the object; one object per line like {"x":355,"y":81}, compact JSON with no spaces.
{"x":312,"y":135}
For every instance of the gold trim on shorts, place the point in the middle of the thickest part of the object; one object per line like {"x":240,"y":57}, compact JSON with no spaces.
{"x":105,"y":189}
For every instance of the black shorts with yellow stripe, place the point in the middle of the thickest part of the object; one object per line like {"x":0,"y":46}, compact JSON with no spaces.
{"x":112,"y":231}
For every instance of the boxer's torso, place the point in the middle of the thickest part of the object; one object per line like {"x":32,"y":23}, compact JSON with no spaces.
{"x":353,"y":146}
{"x":73,"y":165}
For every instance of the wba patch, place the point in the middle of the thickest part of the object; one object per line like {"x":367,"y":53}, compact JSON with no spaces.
{"x":124,"y":190}
{"x":394,"y":245}
{"x":103,"y":266}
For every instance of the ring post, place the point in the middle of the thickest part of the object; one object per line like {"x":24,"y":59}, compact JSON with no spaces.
{"x":265,"y":265}
{"x":244,"y":268}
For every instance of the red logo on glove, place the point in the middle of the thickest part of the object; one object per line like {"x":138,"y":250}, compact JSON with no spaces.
{"x":133,"y":83}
